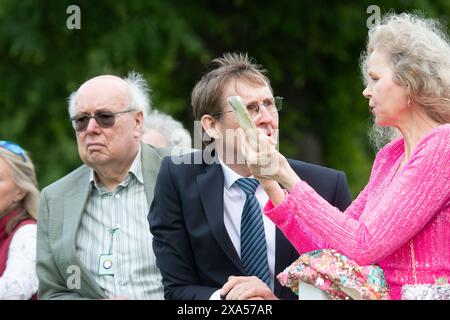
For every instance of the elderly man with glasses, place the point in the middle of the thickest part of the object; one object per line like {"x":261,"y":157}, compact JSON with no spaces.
{"x":93,"y":236}
{"x":205,"y":216}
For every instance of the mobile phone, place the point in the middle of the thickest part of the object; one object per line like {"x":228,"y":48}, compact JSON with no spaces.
{"x":241,"y":112}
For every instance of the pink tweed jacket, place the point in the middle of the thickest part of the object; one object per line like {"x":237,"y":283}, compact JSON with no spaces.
{"x":395,"y":207}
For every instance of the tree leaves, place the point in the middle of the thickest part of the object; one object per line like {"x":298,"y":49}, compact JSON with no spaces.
{"x":310,"y":50}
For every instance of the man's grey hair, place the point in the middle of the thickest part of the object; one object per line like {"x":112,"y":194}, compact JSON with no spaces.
{"x":172,"y":130}
{"x":139,"y":94}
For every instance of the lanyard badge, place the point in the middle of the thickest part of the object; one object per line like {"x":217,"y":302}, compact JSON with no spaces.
{"x":105,"y":265}
{"x":106,"y":260}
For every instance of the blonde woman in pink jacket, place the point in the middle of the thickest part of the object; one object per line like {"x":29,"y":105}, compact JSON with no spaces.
{"x":406,"y":203}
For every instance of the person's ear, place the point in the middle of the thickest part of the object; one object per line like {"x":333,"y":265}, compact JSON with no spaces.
{"x":210,"y":125}
{"x":19,"y":196}
{"x":139,"y":122}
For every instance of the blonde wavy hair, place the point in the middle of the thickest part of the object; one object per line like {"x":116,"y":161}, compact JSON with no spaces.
{"x":24,"y":176}
{"x":419,"y":53}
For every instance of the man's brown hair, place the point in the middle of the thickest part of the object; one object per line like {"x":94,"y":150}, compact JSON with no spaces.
{"x":207,"y":97}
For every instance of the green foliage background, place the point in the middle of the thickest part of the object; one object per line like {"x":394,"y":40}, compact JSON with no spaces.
{"x":310,"y":49}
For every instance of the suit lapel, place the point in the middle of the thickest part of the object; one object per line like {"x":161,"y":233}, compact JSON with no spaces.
{"x":74,"y":204}
{"x":150,"y":163}
{"x":210,"y":188}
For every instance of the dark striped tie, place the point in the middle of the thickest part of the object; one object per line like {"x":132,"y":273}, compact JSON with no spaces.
{"x":253,"y":239}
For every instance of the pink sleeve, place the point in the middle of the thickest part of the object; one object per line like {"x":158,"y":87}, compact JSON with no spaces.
{"x":401,"y":209}
{"x":301,"y":240}
{"x":302,"y":237}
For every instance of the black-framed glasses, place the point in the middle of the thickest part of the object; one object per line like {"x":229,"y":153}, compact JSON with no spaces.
{"x":105,"y":119}
{"x":273,"y":105}
{"x":14,"y":148}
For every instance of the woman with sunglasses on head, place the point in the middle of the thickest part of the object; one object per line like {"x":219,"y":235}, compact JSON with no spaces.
{"x":401,"y":220}
{"x":19,"y":200}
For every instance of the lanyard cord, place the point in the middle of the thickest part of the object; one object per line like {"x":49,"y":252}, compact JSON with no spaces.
{"x":112,"y":231}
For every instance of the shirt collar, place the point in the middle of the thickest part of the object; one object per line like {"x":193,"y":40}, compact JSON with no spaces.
{"x":230,"y":176}
{"x":136,"y":167}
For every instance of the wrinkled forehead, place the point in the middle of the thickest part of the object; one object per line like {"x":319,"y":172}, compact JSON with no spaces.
{"x":104,"y":92}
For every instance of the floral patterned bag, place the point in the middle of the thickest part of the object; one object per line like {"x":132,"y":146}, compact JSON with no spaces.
{"x":340,"y":277}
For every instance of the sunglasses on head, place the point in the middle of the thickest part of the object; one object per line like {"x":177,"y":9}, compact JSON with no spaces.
{"x":105,"y":119}
{"x":14,"y":148}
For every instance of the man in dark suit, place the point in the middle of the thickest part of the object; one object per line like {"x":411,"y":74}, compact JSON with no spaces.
{"x":200,"y":201}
